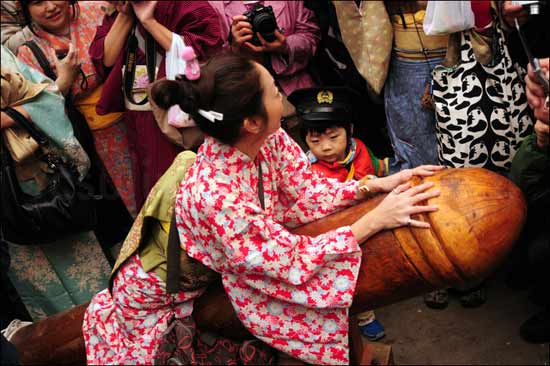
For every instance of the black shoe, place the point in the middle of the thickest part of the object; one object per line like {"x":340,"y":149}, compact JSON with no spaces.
{"x":474,"y":297}
{"x":536,"y":329}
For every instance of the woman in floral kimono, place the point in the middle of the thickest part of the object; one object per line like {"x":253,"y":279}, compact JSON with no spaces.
{"x":290,"y":291}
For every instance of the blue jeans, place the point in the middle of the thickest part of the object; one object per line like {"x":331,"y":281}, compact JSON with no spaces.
{"x":411,"y":128}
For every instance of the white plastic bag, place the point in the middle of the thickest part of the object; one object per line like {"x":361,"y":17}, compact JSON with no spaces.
{"x":445,"y":17}
{"x":175,"y":65}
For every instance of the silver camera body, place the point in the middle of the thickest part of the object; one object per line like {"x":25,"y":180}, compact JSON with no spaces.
{"x":533,"y":5}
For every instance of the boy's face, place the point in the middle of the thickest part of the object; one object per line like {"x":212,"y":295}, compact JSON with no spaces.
{"x":329,"y":146}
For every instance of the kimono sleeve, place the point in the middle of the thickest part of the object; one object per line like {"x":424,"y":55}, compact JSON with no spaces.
{"x":304,"y":194}
{"x":264,"y":255}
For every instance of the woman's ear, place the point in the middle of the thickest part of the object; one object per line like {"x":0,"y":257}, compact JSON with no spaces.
{"x":253,"y":125}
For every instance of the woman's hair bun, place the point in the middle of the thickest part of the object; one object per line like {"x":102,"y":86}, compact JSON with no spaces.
{"x":166,"y":93}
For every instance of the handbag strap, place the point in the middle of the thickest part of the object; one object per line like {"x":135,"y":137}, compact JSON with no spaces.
{"x":31,"y":129}
{"x":131,"y":61}
{"x":42,"y":59}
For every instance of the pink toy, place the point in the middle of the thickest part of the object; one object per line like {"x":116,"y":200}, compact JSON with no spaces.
{"x":192,"y":68}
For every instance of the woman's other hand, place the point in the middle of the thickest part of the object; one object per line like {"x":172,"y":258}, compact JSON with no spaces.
{"x":144,"y":10}
{"x":387,"y":184}
{"x":511,"y":11}
{"x":67,"y":69}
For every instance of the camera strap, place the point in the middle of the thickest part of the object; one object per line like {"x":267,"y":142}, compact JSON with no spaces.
{"x":131,"y":61}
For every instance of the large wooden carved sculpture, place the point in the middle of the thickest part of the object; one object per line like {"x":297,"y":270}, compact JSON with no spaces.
{"x":480,"y":216}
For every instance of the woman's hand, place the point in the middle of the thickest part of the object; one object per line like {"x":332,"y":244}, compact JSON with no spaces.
{"x":386,"y":184}
{"x":397,"y":207}
{"x":511,"y":11}
{"x":67,"y":69}
{"x":396,"y":210}
{"x":144,"y":10}
{"x":241,"y":31}
{"x":122,"y":7}
{"x":278,"y":45}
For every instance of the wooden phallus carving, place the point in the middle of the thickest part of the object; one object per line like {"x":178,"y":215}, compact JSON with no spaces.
{"x":480,"y":216}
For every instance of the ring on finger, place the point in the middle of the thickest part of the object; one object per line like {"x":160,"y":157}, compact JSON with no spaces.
{"x":409,"y":221}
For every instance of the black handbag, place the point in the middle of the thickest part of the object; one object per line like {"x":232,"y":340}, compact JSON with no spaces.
{"x":67,"y":205}
{"x":113,"y":219}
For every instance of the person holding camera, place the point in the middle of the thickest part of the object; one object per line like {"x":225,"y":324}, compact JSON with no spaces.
{"x":196,"y":23}
{"x":281,"y":35}
{"x":531,"y":172}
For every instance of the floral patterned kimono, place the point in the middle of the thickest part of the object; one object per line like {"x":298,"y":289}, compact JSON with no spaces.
{"x":291,"y":291}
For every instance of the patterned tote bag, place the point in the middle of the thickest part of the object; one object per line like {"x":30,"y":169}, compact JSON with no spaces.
{"x":481,"y":110}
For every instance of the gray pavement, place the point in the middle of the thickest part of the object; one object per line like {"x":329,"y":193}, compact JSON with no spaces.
{"x":484,"y":336}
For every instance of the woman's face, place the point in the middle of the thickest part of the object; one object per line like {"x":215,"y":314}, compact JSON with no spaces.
{"x":52,"y":16}
{"x":272,"y":99}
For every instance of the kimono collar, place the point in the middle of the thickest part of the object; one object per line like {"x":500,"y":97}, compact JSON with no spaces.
{"x":215,"y":150}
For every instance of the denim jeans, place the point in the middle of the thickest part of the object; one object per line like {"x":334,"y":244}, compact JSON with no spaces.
{"x":410,"y":126}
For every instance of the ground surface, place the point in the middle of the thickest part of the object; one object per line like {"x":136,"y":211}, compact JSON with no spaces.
{"x":484,"y":336}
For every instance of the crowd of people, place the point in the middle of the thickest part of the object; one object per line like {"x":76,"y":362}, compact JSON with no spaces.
{"x":299,"y":109}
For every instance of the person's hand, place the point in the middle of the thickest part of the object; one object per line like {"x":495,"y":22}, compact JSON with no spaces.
{"x":144,"y":10}
{"x":241,"y":31}
{"x":535,"y":92}
{"x":278,"y":45}
{"x":122,"y":7}
{"x":542,"y":131}
{"x":386,"y":184}
{"x":401,"y":203}
{"x":511,"y":11}
{"x":67,"y":69}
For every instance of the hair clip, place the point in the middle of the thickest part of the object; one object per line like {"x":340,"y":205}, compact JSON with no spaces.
{"x":212,"y":116}
{"x":192,"y":67}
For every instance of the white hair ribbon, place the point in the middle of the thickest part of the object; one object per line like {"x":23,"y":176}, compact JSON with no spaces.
{"x":212,"y":116}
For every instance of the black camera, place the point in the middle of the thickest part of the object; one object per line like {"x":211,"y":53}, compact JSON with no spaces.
{"x":263,"y":21}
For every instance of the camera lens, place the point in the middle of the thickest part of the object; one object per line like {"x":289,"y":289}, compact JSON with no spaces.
{"x":266,"y":25}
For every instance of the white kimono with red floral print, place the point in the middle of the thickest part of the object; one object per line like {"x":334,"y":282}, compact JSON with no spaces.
{"x":291,"y":291}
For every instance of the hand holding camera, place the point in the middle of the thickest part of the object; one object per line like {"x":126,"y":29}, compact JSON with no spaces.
{"x":257,"y":31}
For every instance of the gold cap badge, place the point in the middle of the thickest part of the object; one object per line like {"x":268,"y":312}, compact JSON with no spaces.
{"x":325,"y":96}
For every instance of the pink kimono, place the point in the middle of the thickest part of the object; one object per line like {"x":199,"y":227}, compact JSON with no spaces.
{"x":302,"y":37}
{"x":291,"y":291}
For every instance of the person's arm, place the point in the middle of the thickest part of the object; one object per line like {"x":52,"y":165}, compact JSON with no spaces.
{"x":145,"y":12}
{"x":118,"y":34}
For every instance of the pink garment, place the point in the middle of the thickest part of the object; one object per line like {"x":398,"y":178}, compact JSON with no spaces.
{"x":291,"y":291}
{"x":302,"y":37}
{"x":126,"y":327}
